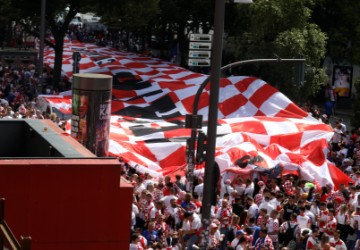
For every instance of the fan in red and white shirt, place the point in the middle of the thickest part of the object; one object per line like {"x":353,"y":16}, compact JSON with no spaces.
{"x":331,"y":223}
{"x":173,"y":211}
{"x":302,"y":219}
{"x":264,"y":241}
{"x":158,"y":192}
{"x":142,"y":242}
{"x":145,"y":207}
{"x":273,"y":227}
{"x":156,"y":210}
{"x":166,"y":199}
{"x":355,"y":220}
{"x":262,"y":218}
{"x":342,"y":215}
{"x":135,"y":243}
{"x":224,"y":214}
{"x":312,"y":241}
{"x":356,"y":203}
{"x":352,"y":195}
{"x":162,"y":228}
{"x":284,"y":226}
{"x":139,"y":186}
{"x":253,"y":208}
{"x":190,"y":230}
{"x":273,"y":186}
{"x":267,"y":204}
{"x":337,"y":242}
{"x":214,"y":237}
{"x":234,"y":226}
{"x":288,"y":186}
{"x":240,"y":186}
{"x":322,"y":217}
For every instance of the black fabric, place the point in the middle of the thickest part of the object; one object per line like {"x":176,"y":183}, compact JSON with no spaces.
{"x":289,"y":234}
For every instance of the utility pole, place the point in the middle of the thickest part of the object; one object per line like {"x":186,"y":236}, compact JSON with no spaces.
{"x":212,"y":131}
{"x":213,"y":115}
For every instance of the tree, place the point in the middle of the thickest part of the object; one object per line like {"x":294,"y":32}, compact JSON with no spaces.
{"x":7,"y":12}
{"x":282,"y":28}
{"x":134,"y":17}
{"x":56,"y":10}
{"x":340,"y":20}
{"x":180,"y":17}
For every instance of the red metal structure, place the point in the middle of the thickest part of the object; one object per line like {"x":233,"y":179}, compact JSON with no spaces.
{"x":67,"y":203}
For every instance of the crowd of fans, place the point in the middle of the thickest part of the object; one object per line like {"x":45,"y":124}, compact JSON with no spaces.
{"x":282,"y":213}
{"x":19,"y":88}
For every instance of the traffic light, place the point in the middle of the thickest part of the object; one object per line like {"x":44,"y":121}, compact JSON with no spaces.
{"x":201,"y":148}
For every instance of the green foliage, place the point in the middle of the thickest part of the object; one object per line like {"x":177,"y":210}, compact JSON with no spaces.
{"x":341,"y":21}
{"x":131,"y":15}
{"x":282,"y":28}
{"x":309,"y":42}
{"x":29,"y":13}
{"x":6,"y":11}
{"x":137,"y":14}
{"x":264,"y":29}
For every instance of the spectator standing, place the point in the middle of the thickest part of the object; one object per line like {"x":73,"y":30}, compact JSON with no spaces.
{"x":191,"y":229}
{"x":199,"y":188}
{"x":150,"y":234}
{"x":135,"y":243}
{"x":253,"y":208}
{"x":290,"y":231}
{"x":313,"y":241}
{"x":336,"y":242}
{"x":302,"y":219}
{"x":267,"y":204}
{"x":289,"y":207}
{"x":330,"y":224}
{"x":179,"y":182}
{"x":264,"y":241}
{"x":273,"y":227}
{"x":224,"y":216}
{"x":226,"y":188}
{"x":249,"y":189}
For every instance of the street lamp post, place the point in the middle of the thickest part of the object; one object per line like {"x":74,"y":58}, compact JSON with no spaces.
{"x":212,"y":133}
{"x":212,"y":117}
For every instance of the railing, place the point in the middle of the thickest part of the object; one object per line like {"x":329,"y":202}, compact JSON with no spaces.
{"x":7,"y":238}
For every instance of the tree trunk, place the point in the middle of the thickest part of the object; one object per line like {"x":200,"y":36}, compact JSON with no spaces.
{"x":59,"y":46}
{"x":183,"y":45}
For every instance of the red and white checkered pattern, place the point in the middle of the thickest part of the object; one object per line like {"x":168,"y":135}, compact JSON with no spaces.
{"x":254,"y":118}
{"x":295,"y":144}
{"x":59,"y":102}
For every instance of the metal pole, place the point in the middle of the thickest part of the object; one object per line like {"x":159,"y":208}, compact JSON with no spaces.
{"x":213,"y":114}
{"x":191,"y":155}
{"x":42,"y":38}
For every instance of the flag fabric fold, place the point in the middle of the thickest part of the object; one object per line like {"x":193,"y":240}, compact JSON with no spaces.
{"x":151,"y":98}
